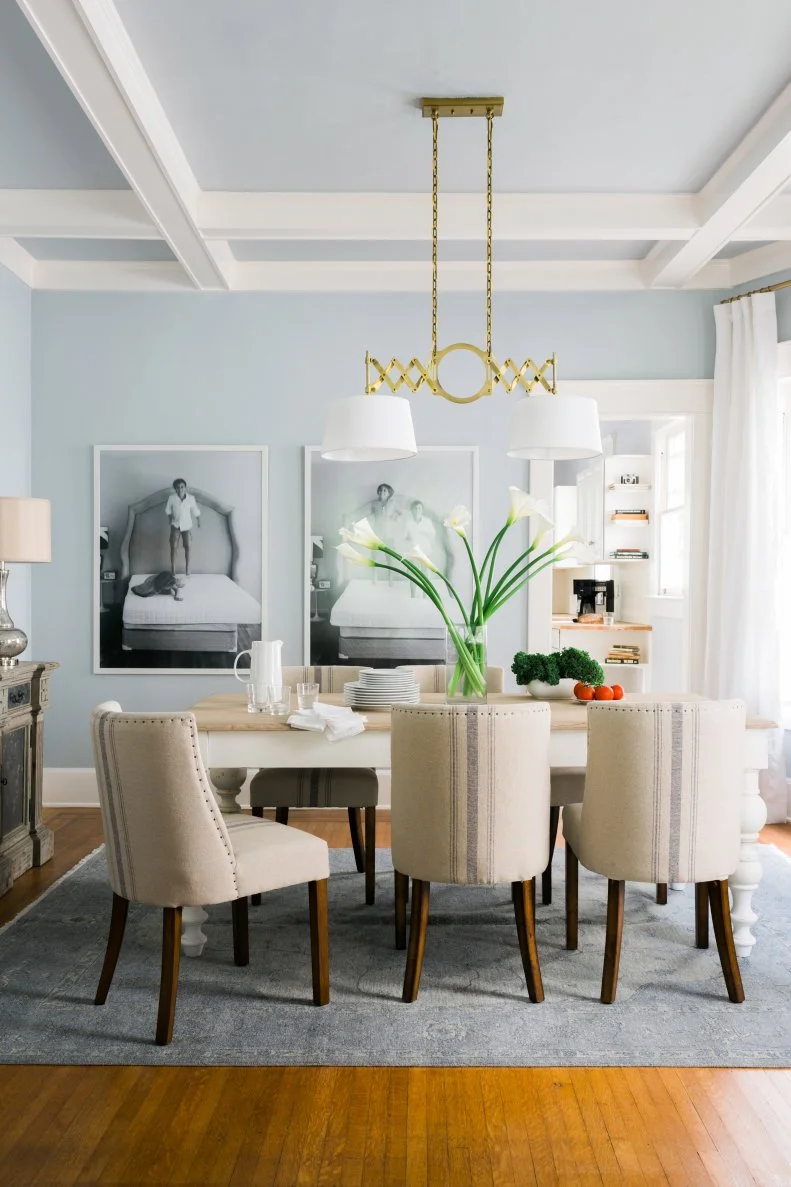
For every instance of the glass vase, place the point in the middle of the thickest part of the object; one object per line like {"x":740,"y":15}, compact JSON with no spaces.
{"x":465,"y":663}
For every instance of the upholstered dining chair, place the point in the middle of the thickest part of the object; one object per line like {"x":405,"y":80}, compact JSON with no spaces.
{"x":662,"y":804}
{"x":431,"y":677}
{"x":353,"y":788}
{"x":168,"y":846}
{"x":461,"y":813}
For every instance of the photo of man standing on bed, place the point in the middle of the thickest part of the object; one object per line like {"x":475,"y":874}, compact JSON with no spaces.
{"x":181,"y":508}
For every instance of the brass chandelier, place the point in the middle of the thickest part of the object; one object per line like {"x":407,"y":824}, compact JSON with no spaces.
{"x":378,"y":427}
{"x":416,"y":374}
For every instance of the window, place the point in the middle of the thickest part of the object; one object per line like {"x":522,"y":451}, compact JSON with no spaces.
{"x":671,"y":509}
{"x":785,"y":528}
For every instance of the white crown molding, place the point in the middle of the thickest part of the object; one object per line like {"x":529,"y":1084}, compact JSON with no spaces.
{"x":88,"y":43}
{"x":18,"y":261}
{"x":74,"y":214}
{"x":755,"y":172}
{"x":762,"y":261}
{"x":365,"y":276}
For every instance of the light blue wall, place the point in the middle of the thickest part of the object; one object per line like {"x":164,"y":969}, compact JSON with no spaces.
{"x":15,"y":424}
{"x":241,"y":368}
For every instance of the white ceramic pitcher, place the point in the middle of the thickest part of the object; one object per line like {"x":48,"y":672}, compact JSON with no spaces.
{"x":266,"y":668}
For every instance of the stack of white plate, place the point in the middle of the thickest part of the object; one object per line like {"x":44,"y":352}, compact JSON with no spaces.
{"x":381,"y":688}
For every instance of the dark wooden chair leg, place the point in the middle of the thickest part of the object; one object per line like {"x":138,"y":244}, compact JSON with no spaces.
{"x":169,"y":983}
{"x":701,"y":915}
{"x":524,"y":896}
{"x":546,"y":877}
{"x":255,"y":899}
{"x":319,"y":941}
{"x":401,"y":891}
{"x":572,"y":899}
{"x":356,"y":829}
{"x":370,"y":853}
{"x":418,"y":923}
{"x":281,"y":814}
{"x":612,"y":944}
{"x":661,"y":893}
{"x":723,"y":934}
{"x":241,"y":934}
{"x":114,"y":941}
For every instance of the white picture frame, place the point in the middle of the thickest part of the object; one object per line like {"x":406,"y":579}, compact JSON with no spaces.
{"x":345,"y":483}
{"x":130,"y":490}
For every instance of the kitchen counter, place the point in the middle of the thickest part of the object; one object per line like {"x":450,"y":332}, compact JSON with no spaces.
{"x":563,"y":622}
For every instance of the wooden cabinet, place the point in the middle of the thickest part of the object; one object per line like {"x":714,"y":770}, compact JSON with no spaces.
{"x":25,"y":840}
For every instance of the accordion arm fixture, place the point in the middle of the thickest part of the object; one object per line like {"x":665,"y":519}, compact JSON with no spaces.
{"x":378,"y":427}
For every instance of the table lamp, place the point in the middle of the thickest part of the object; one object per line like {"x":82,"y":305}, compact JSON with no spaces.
{"x":24,"y":537}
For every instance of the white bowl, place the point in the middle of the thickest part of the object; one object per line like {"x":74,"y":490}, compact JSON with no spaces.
{"x":563,"y":691}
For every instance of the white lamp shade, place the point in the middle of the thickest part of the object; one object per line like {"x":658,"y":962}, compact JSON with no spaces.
{"x":369,"y":429}
{"x":554,"y":428}
{"x":25,"y":530}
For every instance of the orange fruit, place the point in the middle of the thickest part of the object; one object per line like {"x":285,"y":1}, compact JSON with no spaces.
{"x":585,"y":693}
{"x":617,"y":692}
{"x":580,"y":684}
{"x":603,"y":692}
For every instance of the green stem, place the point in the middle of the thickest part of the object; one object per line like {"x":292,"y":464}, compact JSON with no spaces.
{"x":506,"y":580}
{"x":492,"y":553}
{"x":477,"y":601}
{"x":504,"y":599}
{"x":420,"y":578}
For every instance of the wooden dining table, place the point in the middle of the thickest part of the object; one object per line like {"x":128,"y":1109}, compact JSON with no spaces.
{"x":232,"y":741}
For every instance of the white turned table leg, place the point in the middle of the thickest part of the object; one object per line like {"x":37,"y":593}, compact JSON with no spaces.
{"x":749,"y":872}
{"x":193,"y":938}
{"x":228,"y":783}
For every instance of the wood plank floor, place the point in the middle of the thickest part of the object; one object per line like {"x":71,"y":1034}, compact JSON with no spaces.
{"x":347,"y":1126}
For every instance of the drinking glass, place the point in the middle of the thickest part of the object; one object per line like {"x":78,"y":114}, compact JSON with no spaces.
{"x":257,"y":698}
{"x":307,"y":695}
{"x":279,"y":697}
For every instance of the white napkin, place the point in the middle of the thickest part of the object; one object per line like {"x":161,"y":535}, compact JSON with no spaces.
{"x":334,"y":721}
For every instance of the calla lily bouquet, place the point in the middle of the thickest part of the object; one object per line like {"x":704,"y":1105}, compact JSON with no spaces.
{"x":490,"y":593}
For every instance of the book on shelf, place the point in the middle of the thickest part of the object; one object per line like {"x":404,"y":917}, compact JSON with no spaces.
{"x":629,"y":554}
{"x":621,"y":659}
{"x":635,"y":512}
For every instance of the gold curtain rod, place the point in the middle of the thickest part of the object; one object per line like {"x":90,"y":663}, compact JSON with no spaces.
{"x":769,"y":288}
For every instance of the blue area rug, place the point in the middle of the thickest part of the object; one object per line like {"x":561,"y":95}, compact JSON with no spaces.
{"x":473,"y":1007}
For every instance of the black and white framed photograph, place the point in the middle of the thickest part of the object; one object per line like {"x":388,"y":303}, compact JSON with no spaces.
{"x":180,"y":556}
{"x":366,"y":616}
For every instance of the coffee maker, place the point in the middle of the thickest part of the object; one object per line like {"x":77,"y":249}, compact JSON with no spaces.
{"x":594,"y":597}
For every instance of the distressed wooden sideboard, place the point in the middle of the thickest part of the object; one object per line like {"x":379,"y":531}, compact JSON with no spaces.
{"x":25,"y":840}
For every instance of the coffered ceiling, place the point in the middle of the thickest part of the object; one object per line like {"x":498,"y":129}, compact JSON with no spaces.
{"x":253,"y":145}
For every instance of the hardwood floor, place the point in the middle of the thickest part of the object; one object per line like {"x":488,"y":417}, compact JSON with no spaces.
{"x":348,"y":1126}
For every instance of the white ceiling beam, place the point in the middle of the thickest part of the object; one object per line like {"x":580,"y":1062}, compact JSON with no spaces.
{"x":366,"y":276}
{"x":88,"y":43}
{"x":763,"y":261}
{"x":371,"y":216}
{"x":74,"y":214}
{"x":771,"y":223}
{"x":755,"y":172}
{"x":17,"y":260}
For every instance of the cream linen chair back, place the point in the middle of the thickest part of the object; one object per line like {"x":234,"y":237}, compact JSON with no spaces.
{"x":431,"y":677}
{"x":663,"y":790}
{"x":167,"y":844}
{"x":470,"y":792}
{"x":329,"y":679}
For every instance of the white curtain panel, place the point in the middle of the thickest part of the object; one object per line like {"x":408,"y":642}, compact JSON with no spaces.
{"x":742,"y":632}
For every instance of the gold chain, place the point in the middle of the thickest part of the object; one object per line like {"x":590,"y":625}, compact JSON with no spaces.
{"x":489,"y":122}
{"x":434,"y":222}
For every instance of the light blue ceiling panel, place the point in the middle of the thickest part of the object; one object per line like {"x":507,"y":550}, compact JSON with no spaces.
{"x":46,"y":140}
{"x":97,"y":249}
{"x":288,"y":249}
{"x":615,"y":96}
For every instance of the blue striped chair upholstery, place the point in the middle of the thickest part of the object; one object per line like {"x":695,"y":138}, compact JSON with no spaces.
{"x":463,"y":813}
{"x":663,"y":796}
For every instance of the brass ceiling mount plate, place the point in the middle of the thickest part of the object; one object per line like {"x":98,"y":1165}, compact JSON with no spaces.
{"x":464,"y":107}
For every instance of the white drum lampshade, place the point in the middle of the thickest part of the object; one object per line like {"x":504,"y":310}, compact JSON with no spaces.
{"x":369,"y":429}
{"x":24,"y":537}
{"x":554,"y":428}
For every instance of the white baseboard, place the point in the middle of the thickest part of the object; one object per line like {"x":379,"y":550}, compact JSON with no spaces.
{"x":75,"y":787}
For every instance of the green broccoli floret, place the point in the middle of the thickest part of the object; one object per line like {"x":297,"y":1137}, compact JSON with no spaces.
{"x":569,"y":664}
{"x":575,"y":664}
